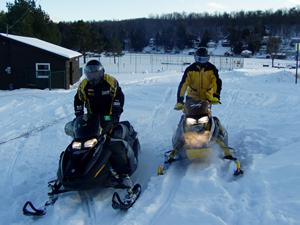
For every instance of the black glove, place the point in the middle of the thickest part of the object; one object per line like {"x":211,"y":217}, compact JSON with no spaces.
{"x":79,"y":110}
{"x":107,"y":127}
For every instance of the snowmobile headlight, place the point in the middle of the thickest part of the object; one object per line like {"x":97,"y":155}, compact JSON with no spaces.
{"x":191,"y":121}
{"x":90,"y":143}
{"x":203,"y":119}
{"x":76,"y":145}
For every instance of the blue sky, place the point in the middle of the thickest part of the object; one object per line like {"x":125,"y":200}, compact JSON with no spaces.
{"x":70,"y":10}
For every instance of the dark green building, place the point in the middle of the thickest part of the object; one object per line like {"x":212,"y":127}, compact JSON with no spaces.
{"x":27,"y":62}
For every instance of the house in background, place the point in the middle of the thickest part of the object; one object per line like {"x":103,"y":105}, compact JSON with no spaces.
{"x":27,"y":62}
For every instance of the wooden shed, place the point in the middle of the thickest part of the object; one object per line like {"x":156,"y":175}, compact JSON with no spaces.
{"x":27,"y":62}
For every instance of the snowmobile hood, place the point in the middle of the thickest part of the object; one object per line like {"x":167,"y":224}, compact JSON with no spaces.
{"x":86,"y":127}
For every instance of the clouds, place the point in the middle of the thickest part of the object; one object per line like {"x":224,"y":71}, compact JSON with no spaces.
{"x":214,"y":6}
{"x":297,"y":2}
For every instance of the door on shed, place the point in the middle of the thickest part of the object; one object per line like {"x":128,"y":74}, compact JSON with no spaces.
{"x":5,"y":65}
{"x":71,"y":71}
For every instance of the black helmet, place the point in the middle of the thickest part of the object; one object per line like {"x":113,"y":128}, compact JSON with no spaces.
{"x":94,"y":71}
{"x":201,"y":55}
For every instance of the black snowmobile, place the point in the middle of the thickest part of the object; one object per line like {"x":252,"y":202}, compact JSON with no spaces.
{"x":197,"y":132}
{"x":95,"y":159}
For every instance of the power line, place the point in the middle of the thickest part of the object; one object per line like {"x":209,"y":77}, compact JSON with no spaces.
{"x":20,"y":19}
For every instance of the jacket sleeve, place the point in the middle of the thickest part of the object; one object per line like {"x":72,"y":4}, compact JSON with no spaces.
{"x":118,"y":102}
{"x":78,"y":103}
{"x":182,"y":87}
{"x":219,"y":84}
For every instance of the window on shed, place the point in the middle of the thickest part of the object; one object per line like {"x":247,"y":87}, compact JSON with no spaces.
{"x":42,"y":70}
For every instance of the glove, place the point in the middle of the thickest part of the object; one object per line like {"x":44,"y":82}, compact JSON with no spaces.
{"x":78,"y":113}
{"x":108,"y":127}
{"x":214,"y":100}
{"x":79,"y":110}
{"x":179,"y":106}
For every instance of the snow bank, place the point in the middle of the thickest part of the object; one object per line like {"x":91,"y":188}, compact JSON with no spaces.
{"x":260,"y":109}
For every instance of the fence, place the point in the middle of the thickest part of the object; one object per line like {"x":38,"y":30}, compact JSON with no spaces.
{"x":53,"y":79}
{"x":143,"y":63}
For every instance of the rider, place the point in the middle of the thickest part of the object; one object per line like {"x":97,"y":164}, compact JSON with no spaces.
{"x":202,"y":83}
{"x":200,"y":80}
{"x":101,"y":94}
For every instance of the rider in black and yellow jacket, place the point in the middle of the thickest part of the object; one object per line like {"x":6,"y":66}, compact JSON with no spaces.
{"x":100,"y":93}
{"x":200,"y":80}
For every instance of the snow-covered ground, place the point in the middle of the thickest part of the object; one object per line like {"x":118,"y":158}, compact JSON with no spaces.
{"x":260,"y":110}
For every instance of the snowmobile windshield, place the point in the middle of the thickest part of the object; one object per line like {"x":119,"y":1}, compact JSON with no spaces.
{"x":86,"y":127}
{"x":196,"y":109}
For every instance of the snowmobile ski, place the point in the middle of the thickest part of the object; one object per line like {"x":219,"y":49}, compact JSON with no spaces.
{"x":170,"y":157}
{"x":238,"y":170}
{"x":30,"y":210}
{"x":128,"y":201}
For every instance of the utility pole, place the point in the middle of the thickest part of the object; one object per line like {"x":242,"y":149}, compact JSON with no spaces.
{"x":297,"y":58}
{"x":7,"y":29}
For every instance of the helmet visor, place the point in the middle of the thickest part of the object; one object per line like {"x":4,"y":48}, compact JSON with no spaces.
{"x":201,"y":59}
{"x":92,"y":69}
{"x":93,"y":76}
{"x":94,"y":72}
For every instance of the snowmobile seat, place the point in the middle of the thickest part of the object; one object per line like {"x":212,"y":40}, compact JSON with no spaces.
{"x":124,"y":147}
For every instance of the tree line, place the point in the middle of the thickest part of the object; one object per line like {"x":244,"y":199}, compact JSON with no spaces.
{"x":175,"y":30}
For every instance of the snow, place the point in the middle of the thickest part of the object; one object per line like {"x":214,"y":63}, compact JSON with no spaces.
{"x":260,"y":110}
{"x":44,"y":45}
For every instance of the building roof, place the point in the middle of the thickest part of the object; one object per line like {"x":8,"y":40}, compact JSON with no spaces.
{"x":43,"y":45}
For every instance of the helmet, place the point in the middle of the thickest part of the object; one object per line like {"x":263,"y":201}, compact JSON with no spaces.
{"x":94,"y":71}
{"x":201,"y":55}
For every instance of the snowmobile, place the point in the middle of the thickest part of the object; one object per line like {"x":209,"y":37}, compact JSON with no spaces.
{"x":197,"y":133}
{"x":96,"y":159}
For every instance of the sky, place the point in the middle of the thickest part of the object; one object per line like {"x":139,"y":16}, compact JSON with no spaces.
{"x":72,"y":10}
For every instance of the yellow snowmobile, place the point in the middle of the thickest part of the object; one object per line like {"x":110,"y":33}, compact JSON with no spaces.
{"x":197,"y":132}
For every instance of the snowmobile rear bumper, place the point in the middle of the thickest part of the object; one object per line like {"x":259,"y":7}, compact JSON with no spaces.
{"x":198,"y":153}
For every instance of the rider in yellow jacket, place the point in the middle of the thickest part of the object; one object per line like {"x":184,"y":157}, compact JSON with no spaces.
{"x":200,"y":80}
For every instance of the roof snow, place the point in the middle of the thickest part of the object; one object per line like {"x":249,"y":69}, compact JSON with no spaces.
{"x":44,"y":45}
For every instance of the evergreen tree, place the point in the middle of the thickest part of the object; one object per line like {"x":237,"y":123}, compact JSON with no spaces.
{"x":205,"y":39}
{"x":115,"y":47}
{"x":2,"y":22}
{"x":182,"y":36}
{"x":25,"y":18}
{"x":138,"y":39}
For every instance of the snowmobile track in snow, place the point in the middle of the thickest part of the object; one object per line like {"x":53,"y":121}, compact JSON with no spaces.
{"x":170,"y":184}
{"x":35,"y":130}
{"x":160,"y":108}
{"x":89,"y":207}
